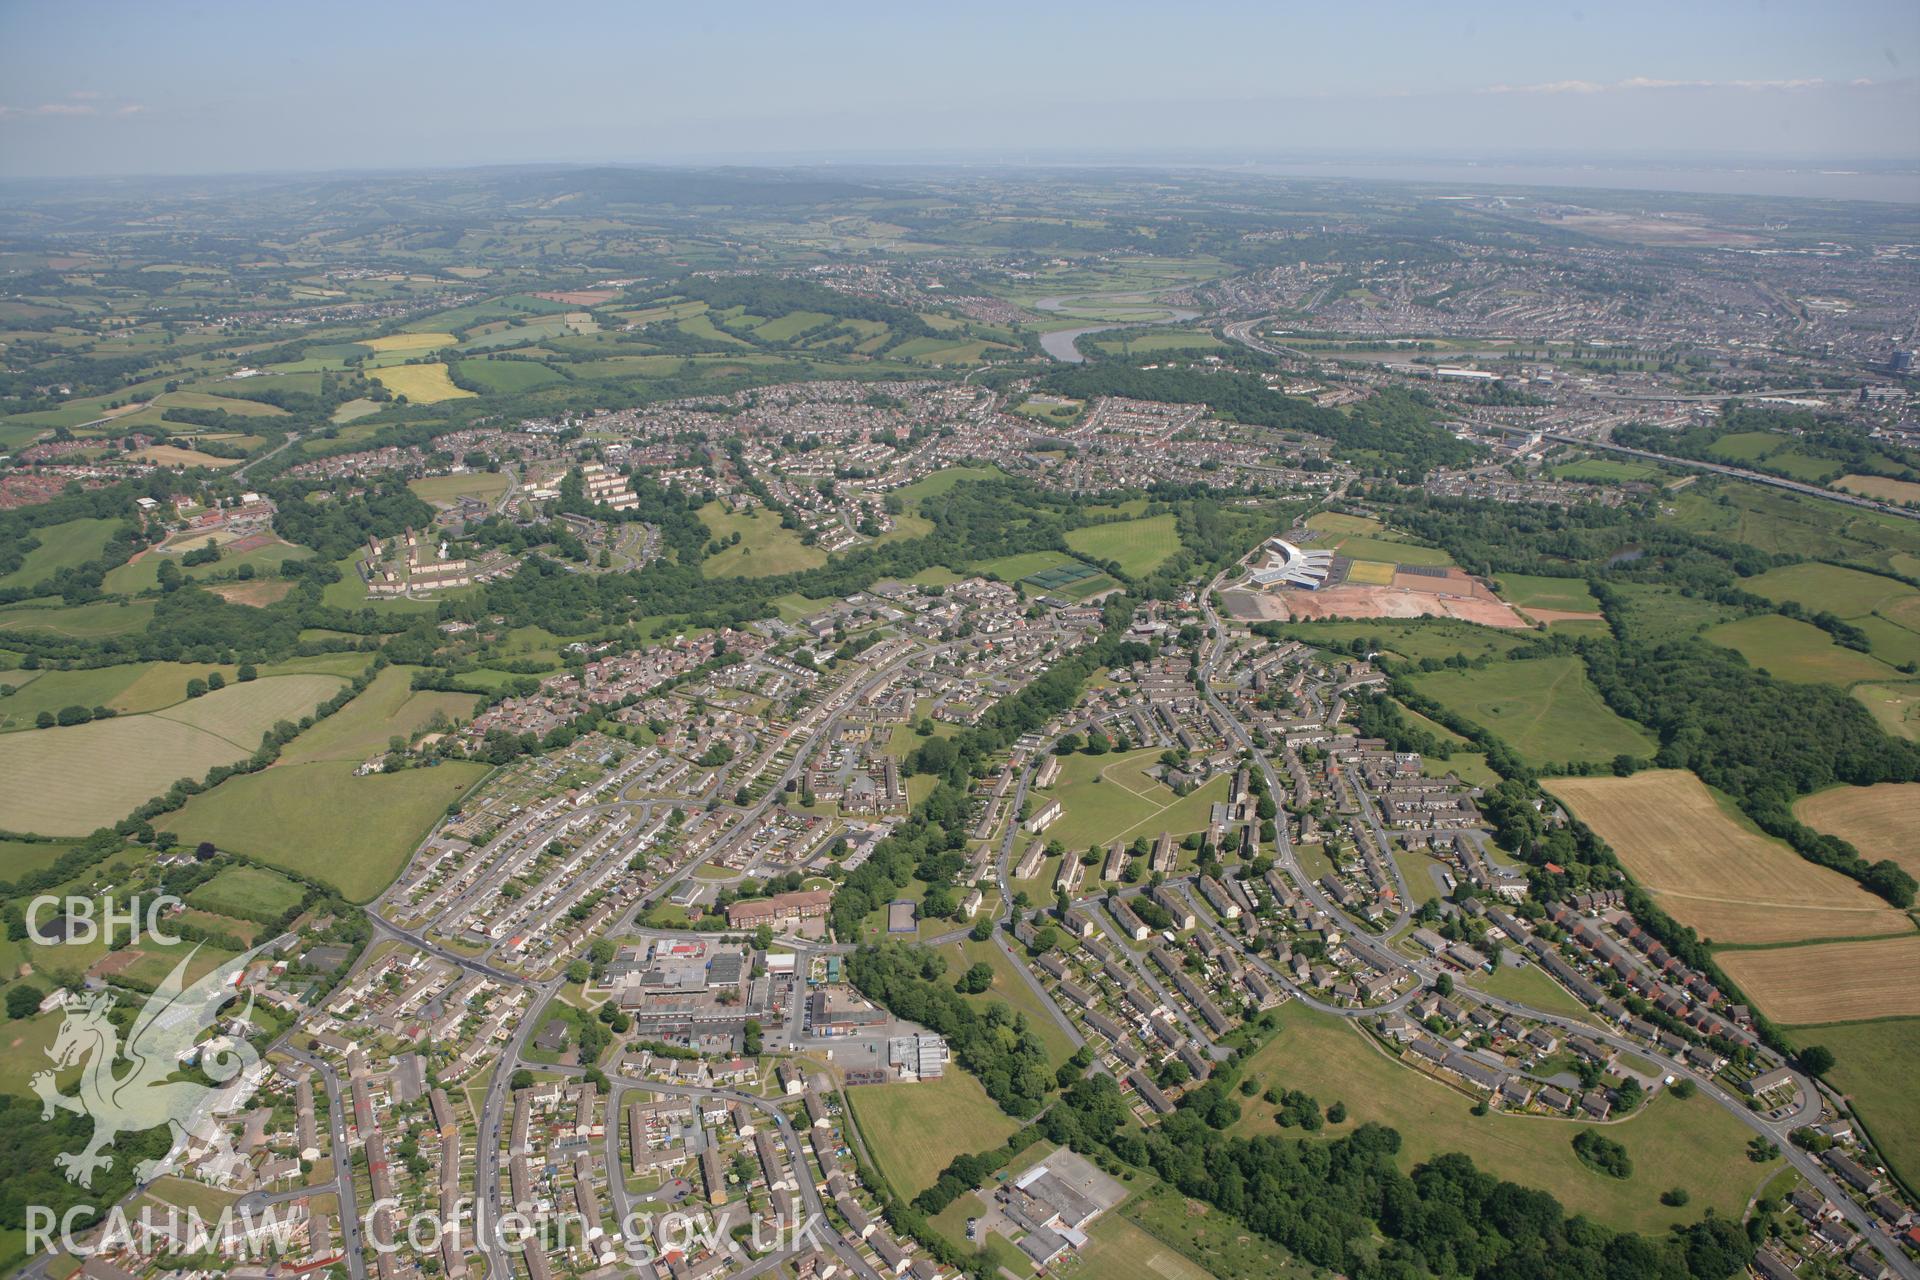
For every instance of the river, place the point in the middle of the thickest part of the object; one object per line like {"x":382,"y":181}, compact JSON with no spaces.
{"x":1060,"y":343}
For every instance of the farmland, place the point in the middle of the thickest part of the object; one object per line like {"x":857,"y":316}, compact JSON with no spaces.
{"x":142,"y":573}
{"x":1692,"y":1142}
{"x":1530,"y":592}
{"x":68,"y":781}
{"x":914,"y":1130}
{"x":1784,"y":523}
{"x":1881,"y":821}
{"x":249,"y":893}
{"x":1605,"y":470}
{"x":1831,"y":982}
{"x":1138,"y":546}
{"x":1887,"y":610}
{"x":1831,"y":589}
{"x":290,"y":816}
{"x":411,"y":343}
{"x":1873,"y":1066}
{"x":386,"y":708}
{"x":1895,"y":707}
{"x":1881,"y":487}
{"x":420,"y":383}
{"x":62,"y":546}
{"x":1410,"y":639}
{"x":1797,"y":651}
{"x":1545,"y":708}
{"x":509,"y":377}
{"x":1359,"y":546}
{"x":1710,"y":869}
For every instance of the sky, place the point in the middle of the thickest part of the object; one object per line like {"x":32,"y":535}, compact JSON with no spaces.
{"x":100,"y":87}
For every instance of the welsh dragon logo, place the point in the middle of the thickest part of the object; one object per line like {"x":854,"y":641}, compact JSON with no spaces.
{"x":147,"y":1092}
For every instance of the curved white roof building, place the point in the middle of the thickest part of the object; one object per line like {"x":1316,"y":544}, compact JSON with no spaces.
{"x":1291,"y":566}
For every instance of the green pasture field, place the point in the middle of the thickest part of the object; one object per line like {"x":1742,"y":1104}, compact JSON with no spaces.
{"x":790,"y":326}
{"x":764,"y":549}
{"x":509,"y":377}
{"x":69,"y":781}
{"x":1783,"y":523}
{"x":387,"y":707}
{"x":941,"y":482}
{"x":1606,"y":470}
{"x":1138,"y":546}
{"x":134,"y":687}
{"x":143,"y":573}
{"x":1470,"y":767}
{"x":1528,"y":591}
{"x":291,"y":816}
{"x":226,"y":404}
{"x":93,"y":621}
{"x":545,"y":329}
{"x":62,"y":546}
{"x":1747,"y":446}
{"x":702,"y":327}
{"x":1357,"y":546}
{"x":1896,"y":707}
{"x":1798,"y":651}
{"x":1338,"y":522}
{"x":471,"y":484}
{"x":18,"y":857}
{"x":1152,"y":341}
{"x":626,"y":367}
{"x":1890,"y":642}
{"x":1410,"y":639}
{"x":248,"y":893}
{"x":37,"y":691}
{"x":1826,"y":588}
{"x":1804,"y":466}
{"x":945,"y":351}
{"x":1690,"y":1143}
{"x":1545,"y":708}
{"x":913,"y":1131}
{"x":1873,"y":1067}
{"x":506,"y":308}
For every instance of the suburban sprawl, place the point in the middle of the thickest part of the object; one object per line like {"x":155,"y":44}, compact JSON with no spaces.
{"x":930,"y":723}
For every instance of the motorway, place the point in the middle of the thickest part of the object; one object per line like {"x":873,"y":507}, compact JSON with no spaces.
{"x":1244,"y":332}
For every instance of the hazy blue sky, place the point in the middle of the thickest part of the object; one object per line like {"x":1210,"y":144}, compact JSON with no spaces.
{"x":89,"y":87}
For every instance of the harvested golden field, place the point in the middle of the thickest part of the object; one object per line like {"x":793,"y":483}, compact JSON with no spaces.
{"x":410,"y":341}
{"x":1881,"y":821}
{"x":172,"y":455}
{"x":420,"y":383}
{"x":258,"y":593}
{"x":1881,"y":487}
{"x":1833,"y":981}
{"x":1710,"y":870}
